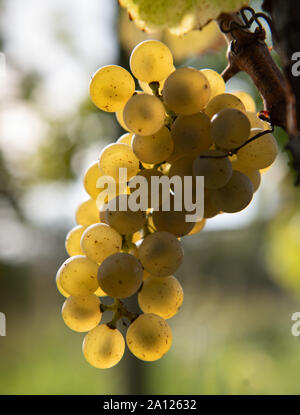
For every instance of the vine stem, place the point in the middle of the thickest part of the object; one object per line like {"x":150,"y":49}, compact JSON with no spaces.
{"x":120,"y":311}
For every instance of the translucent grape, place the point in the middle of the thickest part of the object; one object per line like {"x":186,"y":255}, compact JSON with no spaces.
{"x":100,"y":293}
{"x":144,"y":114}
{"x":259,"y":153}
{"x":192,"y":133}
{"x":151,"y":60}
{"x":230,"y":128}
{"x":222,"y":101}
{"x":254,"y":175}
{"x":82,"y":313}
{"x":235,"y":195}
{"x":60,"y":288}
{"x":100,"y":241}
{"x":87,"y":213}
{"x":72,"y":243}
{"x":149,"y":337}
{"x":153,"y":148}
{"x":246,"y":99}
{"x":125,"y":139}
{"x":111,"y":87}
{"x":198,"y":226}
{"x":161,"y":254}
{"x":78,"y":276}
{"x":148,"y":174}
{"x":216,"y":82}
{"x":120,"y":119}
{"x":210,"y":209}
{"x":161,"y":296}
{"x":120,"y":275}
{"x":91,"y":176}
{"x":116,"y":156}
{"x":256,"y":122}
{"x":182,"y":167}
{"x":186,"y":91}
{"x":103,"y":347}
{"x":216,"y":170}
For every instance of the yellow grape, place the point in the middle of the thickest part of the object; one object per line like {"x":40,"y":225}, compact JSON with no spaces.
{"x":78,"y":276}
{"x":182,"y":167}
{"x":216,"y":82}
{"x":148,"y":174}
{"x":111,"y":87}
{"x":254,"y":175}
{"x":230,"y":128}
{"x":161,"y":296}
{"x":192,"y":133}
{"x":259,"y":153}
{"x":82,"y":313}
{"x":125,"y":139}
{"x":186,"y":91}
{"x":100,"y":241}
{"x":150,"y":61}
{"x":216,"y":170}
{"x":210,"y":209}
{"x":246,"y":99}
{"x":160,"y":253}
{"x":235,"y":195}
{"x":87,"y":213}
{"x":144,"y":114}
{"x":222,"y":101}
{"x":116,"y":156}
{"x":91,"y":176}
{"x":103,"y":347}
{"x":153,"y":148}
{"x":198,"y":226}
{"x":100,"y":293}
{"x":256,"y":122}
{"x":149,"y":337}
{"x":120,"y":275}
{"x":72,"y":242}
{"x":60,"y":288}
{"x":120,"y":119}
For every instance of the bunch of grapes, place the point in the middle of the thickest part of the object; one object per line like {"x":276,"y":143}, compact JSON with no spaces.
{"x":181,"y":123}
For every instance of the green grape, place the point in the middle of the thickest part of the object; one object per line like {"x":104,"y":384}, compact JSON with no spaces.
{"x":116,"y":156}
{"x":186,"y":91}
{"x":222,"y":101}
{"x":216,"y":82}
{"x":254,"y":175}
{"x":144,"y":114}
{"x":210,"y":209}
{"x":148,"y":174}
{"x":82,"y":313}
{"x":149,"y":337}
{"x":103,"y":347}
{"x":235,"y":195}
{"x":216,"y":170}
{"x":78,"y":276}
{"x":91,"y":176}
{"x":161,"y":296}
{"x":230,"y":128}
{"x":87,"y":213}
{"x":72,"y":242}
{"x":126,"y":222}
{"x":120,"y":275}
{"x":151,"y":61}
{"x":160,"y":253}
{"x":246,"y":99}
{"x":192,"y":133}
{"x":111,"y":87}
{"x":198,"y":226}
{"x":259,"y":153}
{"x":256,"y":122}
{"x":155,"y":148}
{"x":100,"y":241}
{"x":125,"y":139}
{"x":60,"y":288}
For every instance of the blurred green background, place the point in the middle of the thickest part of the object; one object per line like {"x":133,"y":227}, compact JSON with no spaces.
{"x":241,"y":275}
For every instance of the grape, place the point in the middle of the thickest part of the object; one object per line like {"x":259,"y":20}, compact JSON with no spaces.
{"x":120,"y":119}
{"x":126,"y":222}
{"x":125,"y":139}
{"x":230,"y":128}
{"x":160,"y":254}
{"x":222,"y":101}
{"x":182,"y":167}
{"x":210,"y":209}
{"x":235,"y":195}
{"x":100,"y":293}
{"x":78,"y":276}
{"x":102,"y":213}
{"x":246,"y":99}
{"x":150,"y":61}
{"x":198,"y":226}
{"x":116,"y":156}
{"x":153,"y":148}
{"x":60,"y":288}
{"x":186,"y":91}
{"x":72,"y":242}
{"x":216,"y":171}
{"x":87,"y":213}
{"x":148,"y":174}
{"x":256,"y":122}
{"x":91,"y":176}
{"x":146,"y":88}
{"x":120,"y":275}
{"x":144,"y":114}
{"x":216,"y":82}
{"x":111,"y":87}
{"x":149,"y":337}
{"x":254,"y":175}
{"x":192,"y":133}
{"x":103,"y":347}
{"x":100,"y":241}
{"x":82,"y":313}
{"x":259,"y":153}
{"x":161,"y":296}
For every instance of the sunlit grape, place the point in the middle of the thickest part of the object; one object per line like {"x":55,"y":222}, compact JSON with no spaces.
{"x":82,"y":313}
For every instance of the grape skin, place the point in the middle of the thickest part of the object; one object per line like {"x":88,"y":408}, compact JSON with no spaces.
{"x":72,"y":242}
{"x":87,"y":213}
{"x":216,"y":82}
{"x":246,"y":99}
{"x":216,"y":171}
{"x":222,"y":101}
{"x":82,"y":314}
{"x":125,"y":139}
{"x":254,"y":175}
{"x":198,"y":226}
{"x":91,"y":176}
